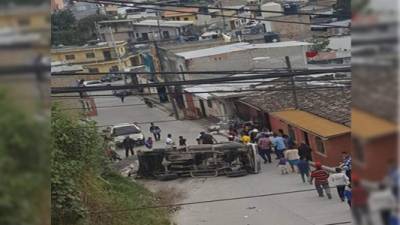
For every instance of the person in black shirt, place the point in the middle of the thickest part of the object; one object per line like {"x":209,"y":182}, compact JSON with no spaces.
{"x":206,"y":138}
{"x":182,"y":141}
{"x":156,"y":131}
{"x":128,"y":144}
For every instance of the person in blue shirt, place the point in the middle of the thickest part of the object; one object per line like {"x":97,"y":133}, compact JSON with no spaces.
{"x":280,"y":146}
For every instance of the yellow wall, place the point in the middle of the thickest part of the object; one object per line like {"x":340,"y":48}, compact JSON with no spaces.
{"x":80,"y":54}
{"x":99,"y":62}
{"x":105,"y":67}
{"x":37,"y":21}
{"x":182,"y":18}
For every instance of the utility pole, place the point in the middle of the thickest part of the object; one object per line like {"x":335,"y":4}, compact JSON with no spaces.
{"x":165,"y":76}
{"x":116,"y":52}
{"x":223,"y":16}
{"x":289,"y":67}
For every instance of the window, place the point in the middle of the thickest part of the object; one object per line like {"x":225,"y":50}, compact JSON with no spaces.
{"x":291,"y":133}
{"x":209,"y":104}
{"x":145,"y":36}
{"x":186,"y":19}
{"x":114,"y":69}
{"x":93,"y":70}
{"x":166,"y":34}
{"x":90,"y":55}
{"x":69,"y":57}
{"x":320,"y":145}
{"x":358,"y":149}
{"x":24,"y":22}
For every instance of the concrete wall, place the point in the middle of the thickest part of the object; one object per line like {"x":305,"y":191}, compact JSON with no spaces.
{"x":243,"y":60}
{"x":81,"y":57}
{"x":290,"y":30}
{"x":378,"y":153}
{"x":133,"y":33}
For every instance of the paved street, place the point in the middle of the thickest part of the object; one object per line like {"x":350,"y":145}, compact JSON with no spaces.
{"x":304,"y":208}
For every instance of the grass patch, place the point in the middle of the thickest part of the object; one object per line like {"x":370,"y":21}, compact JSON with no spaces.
{"x":119,"y":193}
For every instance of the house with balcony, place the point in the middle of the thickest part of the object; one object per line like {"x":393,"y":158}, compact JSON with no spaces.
{"x":137,"y":30}
{"x":101,"y":57}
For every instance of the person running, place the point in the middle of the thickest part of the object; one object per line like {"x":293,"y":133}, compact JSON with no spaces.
{"x":347,"y":194}
{"x":128,"y":144}
{"x":264,"y":148}
{"x":280,"y":146}
{"x":340,"y":180}
{"x":305,"y":151}
{"x":149,"y":143}
{"x":156,"y":131}
{"x":304,"y":169}
{"x":346,"y":165}
{"x":359,"y":202}
{"x":321,"y":180}
{"x":292,"y":155}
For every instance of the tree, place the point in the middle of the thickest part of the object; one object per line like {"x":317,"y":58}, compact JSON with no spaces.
{"x":319,"y":43}
{"x":63,"y":28}
{"x":23,"y":167}
{"x":86,"y":27}
{"x":66,"y":30}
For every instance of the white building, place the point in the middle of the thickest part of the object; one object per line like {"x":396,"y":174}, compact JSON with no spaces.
{"x":239,"y":56}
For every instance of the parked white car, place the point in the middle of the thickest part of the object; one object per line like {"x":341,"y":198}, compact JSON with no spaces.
{"x":94,"y":83}
{"x":120,"y":131}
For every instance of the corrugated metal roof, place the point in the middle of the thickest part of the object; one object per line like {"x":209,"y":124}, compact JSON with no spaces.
{"x":312,"y":123}
{"x":367,"y":126}
{"x":163,"y":23}
{"x":237,"y":47}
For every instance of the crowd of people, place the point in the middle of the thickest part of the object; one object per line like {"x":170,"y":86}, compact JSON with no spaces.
{"x":368,"y":206}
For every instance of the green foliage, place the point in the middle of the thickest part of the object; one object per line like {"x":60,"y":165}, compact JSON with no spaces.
{"x":23,"y":167}
{"x":86,"y":27}
{"x":319,"y":44}
{"x":82,"y":183}
{"x":67,"y":30}
{"x":76,"y":151}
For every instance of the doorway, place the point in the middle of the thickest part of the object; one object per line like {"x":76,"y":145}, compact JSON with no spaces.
{"x":203,"y":108}
{"x":305,"y":135}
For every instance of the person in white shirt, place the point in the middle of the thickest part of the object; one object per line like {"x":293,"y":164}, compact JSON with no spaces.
{"x":340,"y":180}
{"x":170,"y":143}
{"x":292,"y":155}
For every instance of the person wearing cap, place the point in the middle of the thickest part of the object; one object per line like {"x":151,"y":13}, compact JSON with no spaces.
{"x":321,"y":180}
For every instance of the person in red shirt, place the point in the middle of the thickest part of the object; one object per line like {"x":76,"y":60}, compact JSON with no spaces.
{"x":359,"y":202}
{"x":321,"y":180}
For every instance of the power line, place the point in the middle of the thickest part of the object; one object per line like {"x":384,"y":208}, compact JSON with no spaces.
{"x":208,"y":72}
{"x":206,"y":202}
{"x":208,"y":7}
{"x":127,"y":3}
{"x":227,"y":72}
{"x":60,"y":90}
{"x":218,"y":91}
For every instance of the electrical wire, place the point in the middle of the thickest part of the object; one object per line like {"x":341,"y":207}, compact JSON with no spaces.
{"x":220,"y":91}
{"x":127,"y":3}
{"x":60,"y":90}
{"x":138,"y":4}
